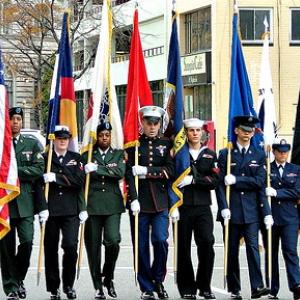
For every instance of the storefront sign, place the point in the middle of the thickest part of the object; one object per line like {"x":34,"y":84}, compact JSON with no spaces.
{"x":193,"y":64}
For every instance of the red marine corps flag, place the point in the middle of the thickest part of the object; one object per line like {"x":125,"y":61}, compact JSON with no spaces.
{"x":9,"y":183}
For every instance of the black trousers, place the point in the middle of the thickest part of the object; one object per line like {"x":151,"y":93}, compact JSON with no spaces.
{"x":68,"y":226}
{"x":14,"y":264}
{"x":197,"y":220}
{"x":102,"y":229}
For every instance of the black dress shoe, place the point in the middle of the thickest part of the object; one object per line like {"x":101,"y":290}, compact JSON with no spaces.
{"x":110,"y":289}
{"x":148,"y":296}
{"x":207,"y":295}
{"x":160,"y":290}
{"x":22,"y":290}
{"x":188,"y":296}
{"x":257,"y":293}
{"x":296,"y":291}
{"x":70,"y":292}
{"x":99,"y":294}
{"x":12,"y":296}
{"x":55,"y":295}
{"x":236,"y":296}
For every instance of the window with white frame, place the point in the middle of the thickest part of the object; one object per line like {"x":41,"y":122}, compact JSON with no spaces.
{"x":252,"y":25}
{"x":295,"y":26}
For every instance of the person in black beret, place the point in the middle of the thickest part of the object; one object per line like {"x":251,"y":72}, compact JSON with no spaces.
{"x":105,"y":206}
{"x":284,"y":193}
{"x":247,"y":182}
{"x":15,"y":264}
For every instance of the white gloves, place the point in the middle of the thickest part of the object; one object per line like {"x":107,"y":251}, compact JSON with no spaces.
{"x":230,"y":179}
{"x":226,"y":215}
{"x":90,"y":167}
{"x":268,"y":220}
{"x":187,"y":180}
{"x":83,"y":215}
{"x":43,"y":216}
{"x":135,"y":207}
{"x":271,"y":192}
{"x":175,"y":215}
{"x":49,"y":177}
{"x":139,"y":170}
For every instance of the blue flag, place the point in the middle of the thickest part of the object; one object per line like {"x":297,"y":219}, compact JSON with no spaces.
{"x":240,"y":99}
{"x":174,"y":115}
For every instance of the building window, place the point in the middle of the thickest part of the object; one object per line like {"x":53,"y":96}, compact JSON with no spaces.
{"x":252,"y":23}
{"x":78,"y":60}
{"x":295,"y":26}
{"x":197,"y":102}
{"x":157,"y":88}
{"x":198,"y":30}
{"x":122,"y":41}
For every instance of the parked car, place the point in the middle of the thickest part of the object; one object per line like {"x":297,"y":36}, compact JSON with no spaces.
{"x":36,"y":134}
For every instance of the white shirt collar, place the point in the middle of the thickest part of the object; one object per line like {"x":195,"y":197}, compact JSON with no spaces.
{"x":63,"y":154}
{"x":103,"y":152}
{"x":278,"y":164}
{"x":240,"y":147}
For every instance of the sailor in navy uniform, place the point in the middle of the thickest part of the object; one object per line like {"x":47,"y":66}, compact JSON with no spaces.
{"x":247,"y":179}
{"x":196,"y":216}
{"x":285,"y":191}
{"x":155,"y":170}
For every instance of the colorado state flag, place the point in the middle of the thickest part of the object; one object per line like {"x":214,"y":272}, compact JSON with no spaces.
{"x":62,"y":103}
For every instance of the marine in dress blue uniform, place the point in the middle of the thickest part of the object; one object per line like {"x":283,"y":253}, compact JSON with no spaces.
{"x":284,"y":193}
{"x":155,"y":170}
{"x":246,"y":179}
{"x":196,"y":216}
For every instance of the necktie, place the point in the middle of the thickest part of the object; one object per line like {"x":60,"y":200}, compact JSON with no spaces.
{"x":15,"y":141}
{"x":243,"y":152}
{"x":103,"y":156}
{"x":61,"y":158}
{"x":280,"y":169}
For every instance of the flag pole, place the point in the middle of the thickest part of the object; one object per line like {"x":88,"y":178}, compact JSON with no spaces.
{"x":42,"y":234}
{"x":175,"y":241}
{"x":226,"y":224}
{"x":269,"y":271}
{"x":136,"y":220}
{"x":86,"y":194}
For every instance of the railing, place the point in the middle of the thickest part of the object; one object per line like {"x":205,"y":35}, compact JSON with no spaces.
{"x":147,"y":53}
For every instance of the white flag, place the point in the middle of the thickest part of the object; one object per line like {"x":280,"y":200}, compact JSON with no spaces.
{"x":266,"y":104}
{"x":104,"y":106}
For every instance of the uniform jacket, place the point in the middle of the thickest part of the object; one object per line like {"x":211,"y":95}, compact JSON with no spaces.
{"x":30,"y":168}
{"x":206,"y":177}
{"x":284,"y":205}
{"x":105,"y":196}
{"x":154,"y":153}
{"x":66,"y":193}
{"x":246,"y":200}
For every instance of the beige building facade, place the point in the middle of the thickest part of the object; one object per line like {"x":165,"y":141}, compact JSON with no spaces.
{"x":216,"y":17}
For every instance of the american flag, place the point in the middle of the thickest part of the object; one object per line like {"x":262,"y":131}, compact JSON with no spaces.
{"x":9,"y":183}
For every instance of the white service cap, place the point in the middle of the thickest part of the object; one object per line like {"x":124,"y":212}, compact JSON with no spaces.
{"x":193,"y":123}
{"x":151,"y":111}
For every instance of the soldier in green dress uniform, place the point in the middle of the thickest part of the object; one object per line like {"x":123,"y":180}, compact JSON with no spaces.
{"x":14,"y":264}
{"x":104,"y":206}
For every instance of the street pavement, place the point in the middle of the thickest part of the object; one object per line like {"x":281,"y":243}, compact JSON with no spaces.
{"x":124,"y":275}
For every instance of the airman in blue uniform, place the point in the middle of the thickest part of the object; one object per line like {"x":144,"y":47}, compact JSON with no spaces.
{"x":285,"y":191}
{"x":247,"y":179}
